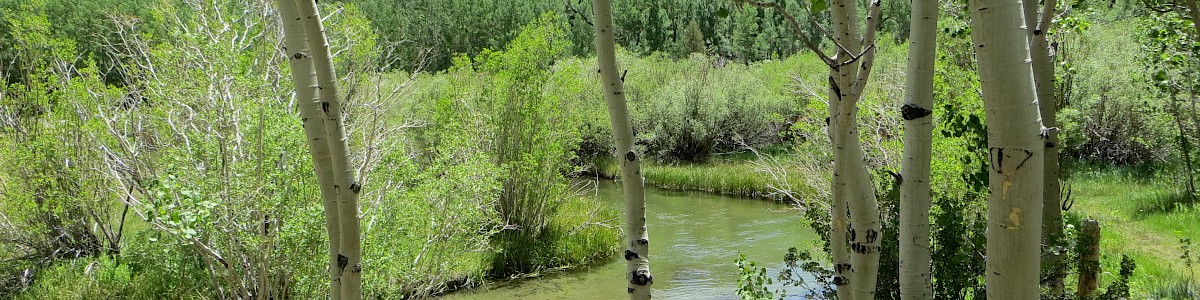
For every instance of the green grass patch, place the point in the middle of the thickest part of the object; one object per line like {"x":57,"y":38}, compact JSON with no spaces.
{"x":1118,"y":200}
{"x":738,"y":176}
{"x":581,"y":232}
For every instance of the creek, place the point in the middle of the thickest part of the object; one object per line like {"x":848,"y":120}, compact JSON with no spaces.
{"x":695,"y":238}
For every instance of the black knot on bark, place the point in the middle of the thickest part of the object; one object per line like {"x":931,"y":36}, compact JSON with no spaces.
{"x":629,"y":290}
{"x":872,"y":235}
{"x":630,"y":255}
{"x":298,"y":56}
{"x":842,"y":267}
{"x":643,"y":242}
{"x":356,"y":269}
{"x":355,"y":187}
{"x":325,"y":107}
{"x":859,"y":248}
{"x":839,"y":280}
{"x":641,"y":277}
{"x":912,"y":112}
{"x":630,"y":156}
{"x":342,"y":262}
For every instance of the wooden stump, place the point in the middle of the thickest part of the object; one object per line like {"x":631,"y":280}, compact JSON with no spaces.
{"x":1089,"y":258}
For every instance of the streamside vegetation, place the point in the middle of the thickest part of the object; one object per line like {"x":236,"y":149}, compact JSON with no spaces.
{"x":170,"y":149}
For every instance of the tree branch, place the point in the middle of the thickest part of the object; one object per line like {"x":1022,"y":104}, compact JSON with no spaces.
{"x":577,"y":13}
{"x":868,"y":54}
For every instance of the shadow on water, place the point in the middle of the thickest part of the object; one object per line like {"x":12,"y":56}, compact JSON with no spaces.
{"x":694,"y":240}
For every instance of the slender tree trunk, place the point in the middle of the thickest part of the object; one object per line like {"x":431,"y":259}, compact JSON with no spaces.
{"x":856,"y":56}
{"x":1184,"y":146}
{"x":1043,"y":77}
{"x":1015,"y":148}
{"x":916,"y":280}
{"x":346,"y":186}
{"x":839,"y":214}
{"x":637,"y":249}
{"x":853,"y":193}
{"x":1195,"y":126}
{"x":305,"y":79}
{"x":1194,"y":13}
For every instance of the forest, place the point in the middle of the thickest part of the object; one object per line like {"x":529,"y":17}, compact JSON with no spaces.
{"x":603,"y":149}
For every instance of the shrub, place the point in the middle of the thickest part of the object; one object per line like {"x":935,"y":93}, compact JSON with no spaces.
{"x":1109,"y":116}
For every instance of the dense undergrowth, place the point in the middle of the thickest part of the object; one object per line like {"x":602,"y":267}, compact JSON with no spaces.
{"x":117,"y":180}
{"x":205,"y":190}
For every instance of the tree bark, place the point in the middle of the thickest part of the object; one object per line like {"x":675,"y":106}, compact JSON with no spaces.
{"x":638,"y":239}
{"x":915,"y":274}
{"x":305,"y":80}
{"x":1194,"y":13}
{"x":347,"y":187}
{"x":1184,"y":146}
{"x":1089,"y":258}
{"x":848,"y":79}
{"x":1015,"y":148}
{"x":1043,"y":77}
{"x":856,"y":266}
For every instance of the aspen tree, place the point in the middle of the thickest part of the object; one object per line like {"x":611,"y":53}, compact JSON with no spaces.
{"x":1015,"y":149}
{"x":916,"y":280}
{"x":1043,"y":77}
{"x":848,"y":78}
{"x":305,"y":79}
{"x":638,"y":240}
{"x":856,"y":265}
{"x":349,"y":260}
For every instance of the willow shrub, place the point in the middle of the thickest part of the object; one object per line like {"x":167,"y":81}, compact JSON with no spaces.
{"x":687,"y":110}
{"x":511,"y":104}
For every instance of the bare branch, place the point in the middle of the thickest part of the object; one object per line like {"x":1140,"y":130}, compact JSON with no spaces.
{"x":1047,"y":15}
{"x":576,"y":13}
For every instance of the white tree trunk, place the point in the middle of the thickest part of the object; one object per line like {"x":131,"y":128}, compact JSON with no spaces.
{"x":1043,"y":77}
{"x":345,"y":185}
{"x":1015,"y":149}
{"x":638,"y":239}
{"x":915,"y":273}
{"x":847,"y":82}
{"x":305,"y":79}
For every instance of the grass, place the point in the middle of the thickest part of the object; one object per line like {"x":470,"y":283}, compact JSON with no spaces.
{"x":1119,"y":200}
{"x":735,"y":176}
{"x":581,"y":232}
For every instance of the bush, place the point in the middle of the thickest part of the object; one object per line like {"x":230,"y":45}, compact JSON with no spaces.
{"x":1110,"y":116}
{"x":511,"y":109}
{"x":679,"y":116}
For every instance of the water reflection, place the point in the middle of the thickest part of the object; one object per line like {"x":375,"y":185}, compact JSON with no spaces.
{"x":694,"y":240}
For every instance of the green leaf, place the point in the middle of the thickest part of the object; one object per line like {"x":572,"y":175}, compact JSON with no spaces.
{"x":1160,"y":75}
{"x":819,"y":5}
{"x":723,"y":13}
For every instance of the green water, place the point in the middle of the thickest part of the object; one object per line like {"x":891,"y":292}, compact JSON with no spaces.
{"x":694,"y":240}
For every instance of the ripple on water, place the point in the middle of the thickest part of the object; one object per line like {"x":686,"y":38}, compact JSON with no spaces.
{"x":695,"y":238}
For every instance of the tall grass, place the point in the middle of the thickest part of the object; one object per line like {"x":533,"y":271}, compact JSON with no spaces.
{"x":578,"y":233}
{"x":734,"y":178}
{"x":1124,"y":200}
